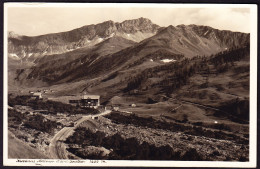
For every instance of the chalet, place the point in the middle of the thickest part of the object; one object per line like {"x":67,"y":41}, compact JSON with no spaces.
{"x":92,"y":101}
{"x":31,"y":92}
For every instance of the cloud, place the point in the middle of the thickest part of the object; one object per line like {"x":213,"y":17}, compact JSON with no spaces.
{"x":220,"y":18}
{"x":224,"y":19}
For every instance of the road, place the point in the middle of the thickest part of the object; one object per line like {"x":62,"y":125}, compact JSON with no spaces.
{"x":208,"y":107}
{"x":57,"y":147}
{"x":197,"y":104}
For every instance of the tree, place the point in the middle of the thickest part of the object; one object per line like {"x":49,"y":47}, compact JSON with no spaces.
{"x":184,"y":118}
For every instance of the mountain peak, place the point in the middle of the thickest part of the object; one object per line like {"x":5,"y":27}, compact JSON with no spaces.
{"x":12,"y":34}
{"x":169,"y":29}
{"x":89,"y":35}
{"x":109,"y":22}
{"x":141,"y":19}
{"x":138,"y":21}
{"x":135,"y":25}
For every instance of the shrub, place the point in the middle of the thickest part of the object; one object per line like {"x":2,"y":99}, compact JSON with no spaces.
{"x":192,"y":155}
{"x":38,"y":122}
{"x":192,"y":130}
{"x":53,"y":107}
{"x":125,"y":149}
{"x":15,"y":116}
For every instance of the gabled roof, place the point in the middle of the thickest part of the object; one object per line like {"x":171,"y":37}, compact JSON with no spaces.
{"x":86,"y":96}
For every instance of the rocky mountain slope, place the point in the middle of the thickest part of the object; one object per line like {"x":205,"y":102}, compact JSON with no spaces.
{"x":30,"y":48}
{"x":115,"y":53}
{"x":170,"y":44}
{"x":192,"y":40}
{"x":52,"y":68}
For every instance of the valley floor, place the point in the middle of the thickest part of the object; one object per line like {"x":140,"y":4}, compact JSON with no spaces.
{"x":179,"y":137}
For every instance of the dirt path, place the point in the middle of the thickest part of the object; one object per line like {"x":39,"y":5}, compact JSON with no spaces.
{"x":57,"y":147}
{"x":212,"y":108}
{"x":201,"y":105}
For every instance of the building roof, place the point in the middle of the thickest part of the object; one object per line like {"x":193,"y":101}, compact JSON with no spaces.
{"x":37,"y":93}
{"x":86,"y":96}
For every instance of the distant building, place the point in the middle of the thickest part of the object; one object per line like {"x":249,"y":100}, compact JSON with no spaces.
{"x":92,"y":101}
{"x":41,"y":111}
{"x":36,"y":95}
{"x":115,"y":107}
{"x":133,"y":105}
{"x":94,"y":117}
{"x":46,"y":90}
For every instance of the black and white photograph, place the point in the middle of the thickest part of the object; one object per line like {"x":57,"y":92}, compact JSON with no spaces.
{"x":130,"y":84}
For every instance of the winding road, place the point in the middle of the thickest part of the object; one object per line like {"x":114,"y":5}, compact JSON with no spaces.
{"x":57,"y":147}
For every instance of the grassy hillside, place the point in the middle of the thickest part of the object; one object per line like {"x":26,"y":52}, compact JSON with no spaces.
{"x":19,"y":150}
{"x":202,"y":89}
{"x":216,"y":91}
{"x":53,"y":68}
{"x":119,"y":54}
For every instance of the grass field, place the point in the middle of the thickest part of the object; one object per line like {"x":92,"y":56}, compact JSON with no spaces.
{"x":19,"y":150}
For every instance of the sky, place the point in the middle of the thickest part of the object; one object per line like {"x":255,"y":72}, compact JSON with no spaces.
{"x":38,"y":20}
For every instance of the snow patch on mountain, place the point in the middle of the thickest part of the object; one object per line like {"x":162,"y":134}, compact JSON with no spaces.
{"x":167,"y":60}
{"x":113,"y":34}
{"x":100,"y":39}
{"x":14,"y":56}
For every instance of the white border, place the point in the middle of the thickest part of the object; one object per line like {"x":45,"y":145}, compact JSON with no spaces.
{"x":253,"y":93}
{"x":125,"y":5}
{"x":5,"y":92}
{"x":253,"y":86}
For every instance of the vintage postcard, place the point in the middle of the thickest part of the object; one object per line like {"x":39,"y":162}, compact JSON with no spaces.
{"x":161,"y":85}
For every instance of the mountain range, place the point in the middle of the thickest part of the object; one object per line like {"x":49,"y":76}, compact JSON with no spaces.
{"x":24,"y":47}
{"x":101,"y":50}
